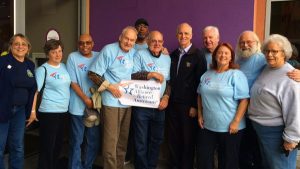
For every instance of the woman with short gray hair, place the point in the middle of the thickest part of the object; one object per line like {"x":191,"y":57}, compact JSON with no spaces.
{"x":273,"y":107}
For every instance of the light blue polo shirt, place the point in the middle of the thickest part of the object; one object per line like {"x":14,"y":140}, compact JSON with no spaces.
{"x":78,"y":66}
{"x":144,"y":61}
{"x":56,"y":93}
{"x":114,"y":65}
{"x":220,"y":93}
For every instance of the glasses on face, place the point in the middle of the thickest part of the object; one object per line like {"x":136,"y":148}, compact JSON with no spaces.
{"x":17,"y":44}
{"x":157,"y":41}
{"x":248,"y":42}
{"x":82,"y":43}
{"x":141,"y":26}
{"x":273,"y":52}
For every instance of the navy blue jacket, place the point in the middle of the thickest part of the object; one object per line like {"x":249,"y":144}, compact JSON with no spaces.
{"x":184,"y":84}
{"x":7,"y":73}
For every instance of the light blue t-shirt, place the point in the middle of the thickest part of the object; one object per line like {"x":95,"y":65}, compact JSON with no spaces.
{"x":56,"y":93}
{"x":140,"y":46}
{"x":220,"y":93}
{"x":78,"y":66}
{"x":252,"y":66}
{"x":114,"y":65}
{"x":144,"y":61}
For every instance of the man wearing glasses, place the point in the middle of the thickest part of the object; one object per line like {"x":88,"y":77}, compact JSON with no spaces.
{"x":142,"y":26}
{"x":78,"y":65}
{"x":148,"y":123}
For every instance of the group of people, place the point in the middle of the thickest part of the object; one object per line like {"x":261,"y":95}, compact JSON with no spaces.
{"x":239,"y":105}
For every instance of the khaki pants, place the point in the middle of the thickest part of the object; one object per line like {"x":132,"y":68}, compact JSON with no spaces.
{"x":116,"y":122}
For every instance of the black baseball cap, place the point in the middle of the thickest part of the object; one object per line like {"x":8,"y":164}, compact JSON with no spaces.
{"x":141,"y":21}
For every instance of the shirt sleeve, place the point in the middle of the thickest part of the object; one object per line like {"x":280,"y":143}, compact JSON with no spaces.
{"x":71,"y":68}
{"x":169,"y":68}
{"x":102,"y":63}
{"x":291,"y":112}
{"x":39,"y":77}
{"x":240,"y":85}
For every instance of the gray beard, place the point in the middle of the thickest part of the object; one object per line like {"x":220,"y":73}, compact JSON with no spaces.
{"x":246,"y":53}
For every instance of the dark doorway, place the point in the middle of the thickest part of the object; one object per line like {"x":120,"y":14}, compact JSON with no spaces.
{"x":6,"y":23}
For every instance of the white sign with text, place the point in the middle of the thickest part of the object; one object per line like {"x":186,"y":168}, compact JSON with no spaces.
{"x":140,"y":93}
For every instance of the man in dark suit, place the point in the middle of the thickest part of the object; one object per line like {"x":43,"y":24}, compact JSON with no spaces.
{"x":187,"y":65}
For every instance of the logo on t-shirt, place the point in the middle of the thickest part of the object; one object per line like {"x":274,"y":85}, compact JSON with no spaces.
{"x":57,"y":76}
{"x":207,"y":80}
{"x":82,"y":67}
{"x":152,"y":66}
{"x":121,"y":59}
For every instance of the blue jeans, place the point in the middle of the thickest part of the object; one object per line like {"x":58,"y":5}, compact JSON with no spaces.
{"x":148,"y":135}
{"x":90,"y":148}
{"x":13,"y":132}
{"x":270,"y":142}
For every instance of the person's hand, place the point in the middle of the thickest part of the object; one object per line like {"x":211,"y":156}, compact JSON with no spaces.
{"x":32,"y":118}
{"x":157,"y":76}
{"x":289,"y":146}
{"x":165,"y":51}
{"x":89,"y":103}
{"x":294,"y":74}
{"x":193,"y":112}
{"x":114,"y":90}
{"x":163,"y":103}
{"x":234,"y":127}
{"x":200,"y":121}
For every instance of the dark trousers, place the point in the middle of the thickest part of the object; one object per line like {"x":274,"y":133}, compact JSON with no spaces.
{"x":181,"y":136}
{"x":250,"y":157}
{"x":149,"y":127}
{"x":51,"y":139}
{"x":228,"y":149}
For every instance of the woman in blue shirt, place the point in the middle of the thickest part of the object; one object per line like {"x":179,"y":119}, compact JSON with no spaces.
{"x":222,"y":101}
{"x":54,"y":104}
{"x":17,"y":88}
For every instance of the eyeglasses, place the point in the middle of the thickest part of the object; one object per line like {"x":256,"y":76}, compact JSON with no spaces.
{"x":141,"y":26}
{"x":20,"y":44}
{"x":82,"y":43}
{"x":248,"y":42}
{"x":156,"y":41}
{"x":273,"y":52}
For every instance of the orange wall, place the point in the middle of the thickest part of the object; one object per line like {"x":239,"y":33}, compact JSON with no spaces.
{"x":259,"y":18}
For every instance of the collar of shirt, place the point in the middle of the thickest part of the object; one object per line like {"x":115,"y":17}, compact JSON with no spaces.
{"x":185,"y":50}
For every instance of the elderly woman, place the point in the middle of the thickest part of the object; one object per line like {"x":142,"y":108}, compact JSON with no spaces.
{"x":274,"y":106}
{"x":54,"y":104}
{"x":222,"y":101}
{"x":17,"y":88}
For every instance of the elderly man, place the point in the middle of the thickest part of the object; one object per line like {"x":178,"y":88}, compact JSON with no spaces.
{"x":78,"y":64}
{"x":149,"y":123}
{"x":187,"y":66}
{"x":211,"y":38}
{"x":142,"y":26}
{"x":115,"y":63}
{"x":251,"y":61}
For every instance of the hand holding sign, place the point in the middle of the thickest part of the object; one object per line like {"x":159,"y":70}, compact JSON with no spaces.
{"x":157,"y":76}
{"x":140,"y":93}
{"x":114,"y":90}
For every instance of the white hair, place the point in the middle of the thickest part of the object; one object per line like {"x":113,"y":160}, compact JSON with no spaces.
{"x":282,"y":42}
{"x":212,"y":28}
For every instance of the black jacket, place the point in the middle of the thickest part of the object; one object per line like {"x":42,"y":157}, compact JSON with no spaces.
{"x":184,"y":84}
